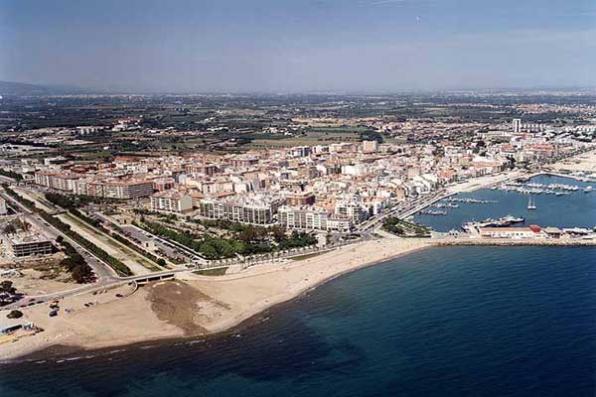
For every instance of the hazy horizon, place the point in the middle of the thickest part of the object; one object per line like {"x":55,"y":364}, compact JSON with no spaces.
{"x":270,"y":46}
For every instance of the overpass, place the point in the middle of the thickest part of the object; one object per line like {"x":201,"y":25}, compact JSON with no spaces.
{"x":149,"y":278}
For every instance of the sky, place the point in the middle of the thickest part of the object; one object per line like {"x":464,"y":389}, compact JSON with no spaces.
{"x":299,"y":45}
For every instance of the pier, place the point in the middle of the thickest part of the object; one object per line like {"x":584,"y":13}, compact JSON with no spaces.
{"x":510,"y":242}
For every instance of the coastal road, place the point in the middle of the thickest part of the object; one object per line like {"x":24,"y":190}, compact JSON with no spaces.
{"x":102,"y":270}
{"x":403,"y":210}
{"x":31,"y":300}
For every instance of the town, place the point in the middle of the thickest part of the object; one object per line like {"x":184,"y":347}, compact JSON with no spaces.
{"x":133,"y":201}
{"x":297,"y":198}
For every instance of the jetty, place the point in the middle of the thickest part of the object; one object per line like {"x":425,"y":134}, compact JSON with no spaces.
{"x":467,"y":241}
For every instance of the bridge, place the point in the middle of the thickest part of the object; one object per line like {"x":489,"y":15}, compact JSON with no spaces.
{"x":149,"y":278}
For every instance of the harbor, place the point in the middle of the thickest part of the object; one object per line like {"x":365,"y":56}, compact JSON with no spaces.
{"x":557,"y":189}
{"x":494,"y":207}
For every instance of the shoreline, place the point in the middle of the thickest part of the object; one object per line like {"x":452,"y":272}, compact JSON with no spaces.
{"x":232,"y":302}
{"x":271,"y":305}
{"x":248,"y":319}
{"x":62,"y":353}
{"x":302,"y":277}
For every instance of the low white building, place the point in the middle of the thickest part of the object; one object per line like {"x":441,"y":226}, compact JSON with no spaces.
{"x":507,"y":232}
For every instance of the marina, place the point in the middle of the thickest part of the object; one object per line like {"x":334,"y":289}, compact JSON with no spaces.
{"x":557,"y":189}
{"x":433,"y":212}
{"x":507,"y":220}
{"x":469,"y":200}
{"x":446,"y":205}
{"x":442,"y":206}
{"x":575,"y":209}
{"x":427,"y":289}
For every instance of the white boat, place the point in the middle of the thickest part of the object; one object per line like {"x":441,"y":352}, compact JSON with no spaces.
{"x":531,"y":204}
{"x":588,"y":189}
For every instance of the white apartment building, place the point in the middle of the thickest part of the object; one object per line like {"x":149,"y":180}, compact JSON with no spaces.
{"x":171,"y":201}
{"x":308,"y":218}
{"x":347,"y":209}
{"x":256,"y":209}
{"x":370,"y":146}
{"x":517,"y":125}
{"x":312,"y":218}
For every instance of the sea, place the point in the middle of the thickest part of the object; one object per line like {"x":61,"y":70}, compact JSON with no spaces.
{"x":449,"y":321}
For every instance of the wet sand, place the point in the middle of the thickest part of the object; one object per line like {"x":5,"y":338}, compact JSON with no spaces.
{"x":198,"y":305}
{"x":192,"y":306}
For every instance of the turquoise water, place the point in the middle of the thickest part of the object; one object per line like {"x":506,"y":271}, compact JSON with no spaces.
{"x":457,"y":321}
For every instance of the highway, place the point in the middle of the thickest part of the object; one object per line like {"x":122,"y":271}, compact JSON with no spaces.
{"x":107,"y":277}
{"x":89,"y":288}
{"x":102,"y":270}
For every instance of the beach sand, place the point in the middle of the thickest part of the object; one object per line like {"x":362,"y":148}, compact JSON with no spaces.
{"x":193,"y":305}
{"x":196,"y":305}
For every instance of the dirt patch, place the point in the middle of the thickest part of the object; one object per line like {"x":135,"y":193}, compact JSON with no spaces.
{"x":181,"y":305}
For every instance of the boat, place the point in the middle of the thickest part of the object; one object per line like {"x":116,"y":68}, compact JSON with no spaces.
{"x":490,"y":222}
{"x":531,"y":204}
{"x":509,"y":220}
{"x":588,"y":189}
{"x":433,"y":213}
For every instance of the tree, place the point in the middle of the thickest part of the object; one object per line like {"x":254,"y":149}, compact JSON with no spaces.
{"x":6,"y":286}
{"x":279,"y":233}
{"x":14,"y":314}
{"x":208,"y":250}
{"x":161,"y":262}
{"x":10,"y":229}
{"x":82,"y":274}
{"x":249,"y":234}
{"x":8,"y":293}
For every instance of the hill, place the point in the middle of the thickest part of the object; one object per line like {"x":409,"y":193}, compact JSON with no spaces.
{"x":8,"y":88}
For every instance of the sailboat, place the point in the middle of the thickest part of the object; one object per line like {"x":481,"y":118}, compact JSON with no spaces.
{"x":531,"y":204}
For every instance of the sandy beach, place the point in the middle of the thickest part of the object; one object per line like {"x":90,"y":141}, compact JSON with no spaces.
{"x":195,"y":306}
{"x":192,"y":306}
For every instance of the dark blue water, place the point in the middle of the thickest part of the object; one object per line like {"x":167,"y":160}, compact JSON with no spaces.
{"x":577,"y":209}
{"x":458,"y":321}
{"x":462,"y":321}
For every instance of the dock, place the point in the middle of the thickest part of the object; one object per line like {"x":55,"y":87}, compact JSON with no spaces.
{"x":509,"y":242}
